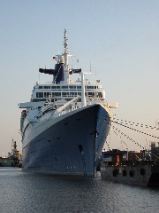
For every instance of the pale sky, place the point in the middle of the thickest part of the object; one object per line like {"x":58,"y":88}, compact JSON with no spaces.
{"x":120,"y":38}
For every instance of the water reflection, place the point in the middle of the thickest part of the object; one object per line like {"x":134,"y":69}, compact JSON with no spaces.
{"x":27,"y":192}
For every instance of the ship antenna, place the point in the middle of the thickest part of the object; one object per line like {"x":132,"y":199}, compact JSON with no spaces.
{"x":65,"y":42}
{"x":65,"y":48}
{"x":65,"y":57}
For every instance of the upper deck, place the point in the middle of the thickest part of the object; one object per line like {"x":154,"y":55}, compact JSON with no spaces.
{"x":64,"y":88}
{"x":54,"y":92}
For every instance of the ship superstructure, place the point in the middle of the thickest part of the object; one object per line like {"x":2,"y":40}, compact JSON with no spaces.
{"x":66,"y":122}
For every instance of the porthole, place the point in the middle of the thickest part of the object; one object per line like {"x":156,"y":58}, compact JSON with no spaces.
{"x":115,"y":172}
{"x":80,"y":147}
{"x":142,"y":171}
{"x":124,"y":172}
{"x":131,"y":173}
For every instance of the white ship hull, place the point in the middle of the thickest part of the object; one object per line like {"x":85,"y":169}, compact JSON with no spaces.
{"x":70,"y":144}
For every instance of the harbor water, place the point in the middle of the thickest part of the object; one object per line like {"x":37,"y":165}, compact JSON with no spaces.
{"x":23,"y":192}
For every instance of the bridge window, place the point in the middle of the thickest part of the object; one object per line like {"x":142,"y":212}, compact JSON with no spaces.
{"x":56,"y":94}
{"x":55,"y":87}
{"x":47,"y":94}
{"x":37,"y":100}
{"x":72,"y":87}
{"x":64,"y":94}
{"x":39,"y":95}
{"x":46,"y":87}
{"x":91,"y":87}
{"x":90,"y":94}
{"x":73,"y":93}
{"x":64,"y":87}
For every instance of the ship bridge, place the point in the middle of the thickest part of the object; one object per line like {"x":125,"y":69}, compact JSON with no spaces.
{"x":43,"y":92}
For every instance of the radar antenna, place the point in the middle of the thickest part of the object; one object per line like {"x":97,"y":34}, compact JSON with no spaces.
{"x":65,"y":42}
{"x":65,"y":57}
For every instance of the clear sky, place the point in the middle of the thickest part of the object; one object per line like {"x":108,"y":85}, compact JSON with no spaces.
{"x":119,"y":37}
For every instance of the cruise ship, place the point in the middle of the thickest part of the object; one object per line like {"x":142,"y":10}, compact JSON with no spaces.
{"x":65,"y":124}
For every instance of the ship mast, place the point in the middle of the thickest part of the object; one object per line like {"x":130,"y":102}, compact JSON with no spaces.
{"x":65,"y":56}
{"x":65,"y":48}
